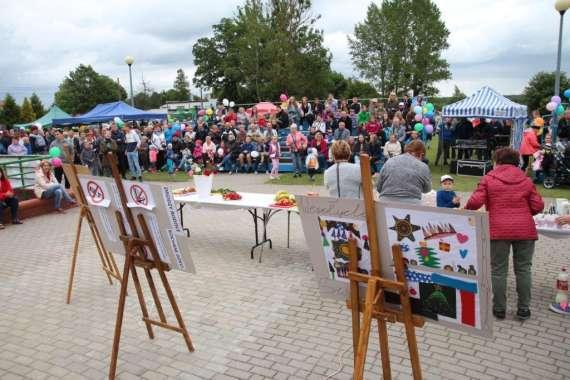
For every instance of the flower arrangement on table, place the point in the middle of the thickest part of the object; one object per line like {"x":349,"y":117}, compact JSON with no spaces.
{"x":203,"y":176}
{"x":202,"y":169}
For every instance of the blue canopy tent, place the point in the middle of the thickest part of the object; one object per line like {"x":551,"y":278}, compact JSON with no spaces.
{"x":108,"y":111}
{"x":488,"y":103}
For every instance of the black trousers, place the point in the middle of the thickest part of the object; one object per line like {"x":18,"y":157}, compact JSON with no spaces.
{"x":60,"y":175}
{"x":443,"y":149}
{"x":12,"y":204}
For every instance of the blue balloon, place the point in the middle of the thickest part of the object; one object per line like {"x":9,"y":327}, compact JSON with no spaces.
{"x":567,"y":93}
{"x":418,"y":110}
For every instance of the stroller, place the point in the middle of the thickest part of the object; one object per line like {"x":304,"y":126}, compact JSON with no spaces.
{"x":559,"y":173}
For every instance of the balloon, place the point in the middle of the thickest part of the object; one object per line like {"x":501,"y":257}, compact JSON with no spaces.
{"x":418,"y":127}
{"x":417,"y":110}
{"x":232,"y":104}
{"x":201,"y":113}
{"x":418,"y":117}
{"x":283,"y":97}
{"x":425,"y":121}
{"x":429,"y":129}
{"x":220,"y":152}
{"x":225,"y":102}
{"x":551,"y":106}
{"x":430,"y":107}
{"x":567,"y":93}
{"x":429,"y":115}
{"x":425,"y":109}
{"x":209,"y":112}
{"x":56,"y":162}
{"x":54,"y":152}
{"x":556,"y":99}
{"x":560,"y":110}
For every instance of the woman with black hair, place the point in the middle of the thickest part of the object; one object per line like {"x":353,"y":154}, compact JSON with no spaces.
{"x":8,"y":199}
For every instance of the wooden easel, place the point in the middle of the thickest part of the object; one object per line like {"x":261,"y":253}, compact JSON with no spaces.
{"x":374,"y":306}
{"x":141,"y":251}
{"x":108,"y":263}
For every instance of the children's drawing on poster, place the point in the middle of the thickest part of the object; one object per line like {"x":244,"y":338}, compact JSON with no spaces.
{"x":335,"y":234}
{"x":428,"y":241}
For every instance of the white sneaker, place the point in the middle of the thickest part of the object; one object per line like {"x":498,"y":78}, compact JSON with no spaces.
{"x":271,"y":177}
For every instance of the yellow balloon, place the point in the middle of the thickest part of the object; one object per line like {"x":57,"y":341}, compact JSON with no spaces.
{"x":209,"y":112}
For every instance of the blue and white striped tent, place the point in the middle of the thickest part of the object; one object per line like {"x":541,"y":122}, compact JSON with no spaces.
{"x":488,"y":103}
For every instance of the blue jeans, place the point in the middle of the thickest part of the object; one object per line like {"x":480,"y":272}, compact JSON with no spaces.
{"x":297,"y":162}
{"x":228,"y":163}
{"x":134,"y":167}
{"x":58,"y":193}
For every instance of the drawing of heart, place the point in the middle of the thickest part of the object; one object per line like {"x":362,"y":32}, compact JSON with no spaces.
{"x":461,"y":238}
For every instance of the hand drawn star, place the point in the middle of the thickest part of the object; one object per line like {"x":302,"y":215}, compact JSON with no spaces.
{"x":404,"y":228}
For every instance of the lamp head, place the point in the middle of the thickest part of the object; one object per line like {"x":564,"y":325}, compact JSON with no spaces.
{"x":129,"y":60}
{"x":562,"y":5}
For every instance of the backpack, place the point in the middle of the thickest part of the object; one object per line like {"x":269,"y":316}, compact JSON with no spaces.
{"x":313,"y":162}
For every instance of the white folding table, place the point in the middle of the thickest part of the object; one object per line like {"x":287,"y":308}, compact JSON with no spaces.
{"x":259,"y":206}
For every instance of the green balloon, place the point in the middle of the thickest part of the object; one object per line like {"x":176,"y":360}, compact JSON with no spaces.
{"x":54,"y":152}
{"x":430,"y":107}
{"x":418,"y":127}
{"x":560,"y":110}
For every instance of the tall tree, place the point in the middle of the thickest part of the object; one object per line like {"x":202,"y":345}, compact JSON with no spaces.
{"x":269,"y":47}
{"x":399,"y":45}
{"x":37,"y":105}
{"x":27,"y":114}
{"x":84,"y":88}
{"x":540,"y":89}
{"x":10,"y":113}
{"x":181,"y":86}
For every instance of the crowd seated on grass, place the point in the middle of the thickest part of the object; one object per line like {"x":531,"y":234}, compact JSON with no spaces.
{"x":241,"y":142}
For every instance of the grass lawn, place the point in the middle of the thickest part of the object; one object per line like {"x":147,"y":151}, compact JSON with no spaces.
{"x":165,"y":177}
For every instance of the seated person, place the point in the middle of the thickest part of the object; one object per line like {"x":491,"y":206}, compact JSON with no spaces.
{"x":47,"y":187}
{"x":7,"y":199}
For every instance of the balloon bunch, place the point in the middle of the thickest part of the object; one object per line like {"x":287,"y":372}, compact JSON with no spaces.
{"x":555,"y":104}
{"x":54,"y":153}
{"x":423,"y":117}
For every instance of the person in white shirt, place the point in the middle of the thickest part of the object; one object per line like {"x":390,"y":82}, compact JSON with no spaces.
{"x":133,"y":143}
{"x":393,"y":147}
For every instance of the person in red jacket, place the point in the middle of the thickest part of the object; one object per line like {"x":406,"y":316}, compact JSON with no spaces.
{"x":511,"y":200}
{"x":529,"y":144}
{"x":7,"y":199}
{"x":322,"y":149}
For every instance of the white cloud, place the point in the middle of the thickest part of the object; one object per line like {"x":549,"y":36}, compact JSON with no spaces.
{"x":497,"y":43}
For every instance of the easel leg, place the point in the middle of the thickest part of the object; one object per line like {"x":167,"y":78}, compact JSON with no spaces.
{"x":141,"y":301}
{"x":354,"y":298}
{"x":74,"y":258}
{"x":365,"y":331}
{"x":155,"y":296}
{"x":120,"y":312}
{"x":106,"y":258}
{"x":384,"y":350}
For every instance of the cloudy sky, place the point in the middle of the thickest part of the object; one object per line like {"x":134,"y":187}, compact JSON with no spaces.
{"x":496,"y":43}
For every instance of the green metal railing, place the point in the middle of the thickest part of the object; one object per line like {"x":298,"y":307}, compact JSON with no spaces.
{"x":20,"y":169}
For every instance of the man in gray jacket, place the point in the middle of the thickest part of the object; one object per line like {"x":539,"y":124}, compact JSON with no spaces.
{"x":405,"y":177}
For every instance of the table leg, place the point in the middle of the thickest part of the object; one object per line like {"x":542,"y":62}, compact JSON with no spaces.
{"x":265,"y":220}
{"x":180,"y":211}
{"x":288,"y":227}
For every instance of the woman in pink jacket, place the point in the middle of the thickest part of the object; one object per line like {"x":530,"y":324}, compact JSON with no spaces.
{"x":529,"y":144}
{"x":511,"y":200}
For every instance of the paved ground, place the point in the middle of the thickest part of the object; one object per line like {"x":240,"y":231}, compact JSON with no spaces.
{"x":248,"y":320}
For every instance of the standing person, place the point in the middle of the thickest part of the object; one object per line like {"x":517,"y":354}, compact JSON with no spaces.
{"x":392,"y":105}
{"x":8,"y":199}
{"x":274,"y":155}
{"x":88,"y":157}
{"x":66,"y":155}
{"x":119,"y":136}
{"x":511,"y":200}
{"x":107,"y":145}
{"x":297,"y":142}
{"x":529,"y":145}
{"x":37,"y":140}
{"x":446,"y":132}
{"x":132,"y":145}
{"x":343,"y":179}
{"x":47,"y":187}
{"x":307,"y":115}
{"x":158,"y":141}
{"x":564,"y":127}
{"x":405,"y":177}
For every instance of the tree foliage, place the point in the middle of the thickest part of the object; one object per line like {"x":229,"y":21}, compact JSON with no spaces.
{"x":27,"y":112}
{"x":399,"y":45}
{"x":84,"y":88}
{"x":37,"y":105}
{"x":181,"y":86}
{"x":540,"y":89}
{"x":269,"y":47}
{"x":10,"y":113}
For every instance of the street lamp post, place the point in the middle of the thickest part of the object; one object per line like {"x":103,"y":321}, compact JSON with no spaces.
{"x":561,"y":6}
{"x":129,"y":61}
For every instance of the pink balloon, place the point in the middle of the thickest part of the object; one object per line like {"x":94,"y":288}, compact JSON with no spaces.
{"x":56,"y":162}
{"x":201,"y":113}
{"x":418,"y":117}
{"x":429,"y":129}
{"x":556,"y":99}
{"x":551,"y":106}
{"x":425,"y":121}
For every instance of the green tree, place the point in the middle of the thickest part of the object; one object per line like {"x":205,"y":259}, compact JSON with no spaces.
{"x":399,"y":45}
{"x":181,"y":86}
{"x":359,"y":89}
{"x":27,"y":114}
{"x":540,"y":89}
{"x":269,"y":47}
{"x":37,"y":105}
{"x":338,"y":84}
{"x":10,"y":113}
{"x":84,"y":88}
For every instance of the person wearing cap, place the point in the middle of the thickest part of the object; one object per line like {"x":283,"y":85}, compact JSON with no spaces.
{"x":446,"y":197}
{"x":529,"y":145}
